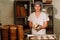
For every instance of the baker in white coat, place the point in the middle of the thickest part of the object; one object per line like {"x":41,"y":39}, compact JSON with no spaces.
{"x":38,"y":20}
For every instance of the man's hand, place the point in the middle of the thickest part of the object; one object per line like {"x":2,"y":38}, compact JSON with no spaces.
{"x":36,"y":27}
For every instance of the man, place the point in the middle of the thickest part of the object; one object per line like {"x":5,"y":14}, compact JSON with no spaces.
{"x":38,"y":20}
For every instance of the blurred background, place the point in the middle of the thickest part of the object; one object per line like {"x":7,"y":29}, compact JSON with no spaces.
{"x":17,"y":12}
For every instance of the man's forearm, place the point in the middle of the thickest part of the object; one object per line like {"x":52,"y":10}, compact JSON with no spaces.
{"x":30,"y":24}
{"x":45,"y":25}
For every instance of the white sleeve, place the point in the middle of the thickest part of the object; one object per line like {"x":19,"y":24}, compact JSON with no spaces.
{"x":30,"y":18}
{"x":46,"y":18}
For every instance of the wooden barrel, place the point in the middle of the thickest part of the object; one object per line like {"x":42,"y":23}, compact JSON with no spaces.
{"x":5,"y":32}
{"x":13,"y":32}
{"x":20,"y":32}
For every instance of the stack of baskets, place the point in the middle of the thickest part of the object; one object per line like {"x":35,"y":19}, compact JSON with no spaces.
{"x":12,"y":32}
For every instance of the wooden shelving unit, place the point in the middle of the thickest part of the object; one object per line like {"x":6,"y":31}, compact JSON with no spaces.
{"x":28,"y":5}
{"x":21,"y":11}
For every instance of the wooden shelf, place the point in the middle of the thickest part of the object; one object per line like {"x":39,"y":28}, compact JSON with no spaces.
{"x":47,"y":4}
{"x":21,"y":17}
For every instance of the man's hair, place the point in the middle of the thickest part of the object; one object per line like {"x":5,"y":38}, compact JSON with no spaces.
{"x":38,"y":3}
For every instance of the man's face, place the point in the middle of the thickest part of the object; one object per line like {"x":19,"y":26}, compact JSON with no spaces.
{"x":37,"y":8}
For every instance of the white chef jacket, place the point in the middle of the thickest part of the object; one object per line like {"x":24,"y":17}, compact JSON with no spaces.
{"x":40,"y":20}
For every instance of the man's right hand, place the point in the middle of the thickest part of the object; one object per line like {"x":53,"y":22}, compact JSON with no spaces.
{"x":34,"y":26}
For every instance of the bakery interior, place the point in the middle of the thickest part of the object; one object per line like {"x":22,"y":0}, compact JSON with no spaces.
{"x":16,"y":12}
